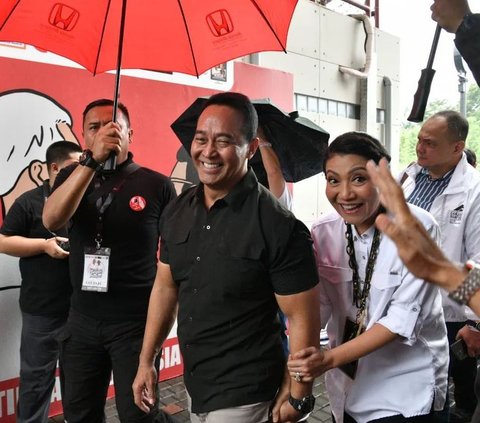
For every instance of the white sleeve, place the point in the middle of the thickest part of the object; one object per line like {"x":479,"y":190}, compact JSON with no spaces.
{"x":286,"y":198}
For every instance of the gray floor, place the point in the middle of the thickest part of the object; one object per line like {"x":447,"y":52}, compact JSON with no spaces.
{"x":174,"y":401}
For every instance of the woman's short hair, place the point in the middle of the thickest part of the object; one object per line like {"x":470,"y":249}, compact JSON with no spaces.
{"x":358,"y":143}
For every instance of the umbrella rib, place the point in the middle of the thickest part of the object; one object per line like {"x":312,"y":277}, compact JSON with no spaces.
{"x":10,"y":14}
{"x":101,"y":37}
{"x":268,"y":23}
{"x":189,"y":38}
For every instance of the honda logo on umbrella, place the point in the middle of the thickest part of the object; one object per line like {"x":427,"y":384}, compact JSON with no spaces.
{"x":63,"y":17}
{"x":220,"y":22}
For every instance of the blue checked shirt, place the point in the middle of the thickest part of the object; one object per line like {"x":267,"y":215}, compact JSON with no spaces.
{"x":427,"y":189}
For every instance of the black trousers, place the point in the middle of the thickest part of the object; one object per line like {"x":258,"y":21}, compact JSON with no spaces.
{"x":39,"y":352}
{"x":463,"y":373}
{"x":90,"y":350}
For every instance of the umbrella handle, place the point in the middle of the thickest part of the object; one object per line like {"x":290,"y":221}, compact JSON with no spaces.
{"x":420,"y":99}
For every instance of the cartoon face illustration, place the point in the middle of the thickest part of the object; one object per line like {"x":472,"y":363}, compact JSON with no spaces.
{"x":29,"y":122}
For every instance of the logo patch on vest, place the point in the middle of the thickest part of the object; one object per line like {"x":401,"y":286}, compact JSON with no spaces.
{"x":456,"y":215}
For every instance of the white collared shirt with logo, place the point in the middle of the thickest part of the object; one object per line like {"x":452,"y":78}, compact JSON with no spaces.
{"x":457,"y":212}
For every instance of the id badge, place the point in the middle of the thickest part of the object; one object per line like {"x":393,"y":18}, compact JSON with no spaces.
{"x":95,"y":269}
{"x":350,"y":332}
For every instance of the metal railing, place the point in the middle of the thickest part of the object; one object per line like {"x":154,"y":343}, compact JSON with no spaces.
{"x":371,"y":8}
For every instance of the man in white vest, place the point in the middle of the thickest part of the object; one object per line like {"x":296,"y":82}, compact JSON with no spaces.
{"x":443,"y":183}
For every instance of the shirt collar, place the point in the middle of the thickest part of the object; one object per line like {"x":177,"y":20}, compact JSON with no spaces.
{"x":447,"y":175}
{"x":236,"y":196}
{"x":367,"y":235}
{"x":127,"y":161}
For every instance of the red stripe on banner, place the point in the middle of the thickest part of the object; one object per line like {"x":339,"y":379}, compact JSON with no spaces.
{"x":171,"y":366}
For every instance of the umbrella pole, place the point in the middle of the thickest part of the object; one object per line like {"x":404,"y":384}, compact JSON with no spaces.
{"x":111,"y":162}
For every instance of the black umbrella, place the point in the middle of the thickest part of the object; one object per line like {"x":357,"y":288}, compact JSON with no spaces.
{"x":298,"y":142}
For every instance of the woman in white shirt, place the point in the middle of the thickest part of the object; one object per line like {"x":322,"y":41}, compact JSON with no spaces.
{"x":388,"y":353}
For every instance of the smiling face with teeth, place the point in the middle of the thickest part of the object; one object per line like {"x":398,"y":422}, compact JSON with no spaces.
{"x":350,"y":190}
{"x":220,"y":150}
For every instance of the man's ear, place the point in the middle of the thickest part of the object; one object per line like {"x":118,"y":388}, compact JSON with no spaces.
{"x":38,"y":172}
{"x":130,"y":135}
{"x":54,"y":169}
{"x":459,"y":146}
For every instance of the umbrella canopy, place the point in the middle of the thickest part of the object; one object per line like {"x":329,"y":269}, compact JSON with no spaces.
{"x":298,"y":142}
{"x":187,"y":36}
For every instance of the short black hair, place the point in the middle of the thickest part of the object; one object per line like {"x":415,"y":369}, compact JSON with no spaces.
{"x":242,"y":104}
{"x":456,"y":123}
{"x":60,"y":151}
{"x":106,"y":102}
{"x":358,"y":143}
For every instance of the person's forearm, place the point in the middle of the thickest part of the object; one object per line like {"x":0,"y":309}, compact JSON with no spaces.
{"x":303,"y":316}
{"x":448,"y":275}
{"x":371,"y":340}
{"x":64,"y":201}
{"x":162,"y":310}
{"x":271,"y":163}
{"x":19,"y":246}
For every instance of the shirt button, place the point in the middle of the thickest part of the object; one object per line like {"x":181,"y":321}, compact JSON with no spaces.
{"x":414,"y":309}
{"x":195,"y":290}
{"x":190,"y":318}
{"x":208,"y":227}
{"x":198,"y":258}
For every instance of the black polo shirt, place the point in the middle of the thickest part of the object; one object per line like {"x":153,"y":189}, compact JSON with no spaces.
{"x":131,"y":232}
{"x":46,"y":288}
{"x":228,"y":263}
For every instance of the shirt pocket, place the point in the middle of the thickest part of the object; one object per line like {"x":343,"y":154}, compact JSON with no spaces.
{"x":382,"y":288}
{"x":336,"y":284}
{"x":242,"y":264}
{"x":178,"y":253}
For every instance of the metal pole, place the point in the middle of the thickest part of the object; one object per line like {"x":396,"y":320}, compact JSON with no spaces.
{"x":111,"y":162}
{"x":462,"y":81}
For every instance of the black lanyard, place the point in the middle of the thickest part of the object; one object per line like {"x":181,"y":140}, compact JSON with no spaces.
{"x":104,"y":195}
{"x":360,"y":295}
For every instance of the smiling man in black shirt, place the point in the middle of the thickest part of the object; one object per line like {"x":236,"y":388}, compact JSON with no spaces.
{"x":230,"y":256}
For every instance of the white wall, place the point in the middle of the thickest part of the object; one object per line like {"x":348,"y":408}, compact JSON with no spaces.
{"x":320,"y":40}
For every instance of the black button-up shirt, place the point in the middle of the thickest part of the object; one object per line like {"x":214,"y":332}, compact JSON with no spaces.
{"x":228,"y":263}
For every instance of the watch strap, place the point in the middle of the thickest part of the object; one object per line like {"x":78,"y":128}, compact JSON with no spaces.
{"x":86,"y":159}
{"x":304,"y":405}
{"x":469,"y":286}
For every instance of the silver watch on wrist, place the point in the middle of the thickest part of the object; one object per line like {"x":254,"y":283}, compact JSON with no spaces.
{"x":469,"y":286}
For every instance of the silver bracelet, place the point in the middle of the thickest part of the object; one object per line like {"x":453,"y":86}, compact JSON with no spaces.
{"x":264,"y":144}
{"x":469,"y":286}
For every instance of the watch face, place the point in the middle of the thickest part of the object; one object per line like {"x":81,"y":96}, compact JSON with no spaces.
{"x":86,"y":154}
{"x":305,"y":405}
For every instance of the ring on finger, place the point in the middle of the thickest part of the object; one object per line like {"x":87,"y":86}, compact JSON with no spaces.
{"x":298,"y":377}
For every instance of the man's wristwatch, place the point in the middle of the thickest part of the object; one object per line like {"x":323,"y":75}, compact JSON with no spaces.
{"x":304,"y":405}
{"x":86,"y":159}
{"x":474,"y":324}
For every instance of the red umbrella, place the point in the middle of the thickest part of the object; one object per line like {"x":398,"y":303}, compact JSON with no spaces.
{"x":187,"y":36}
